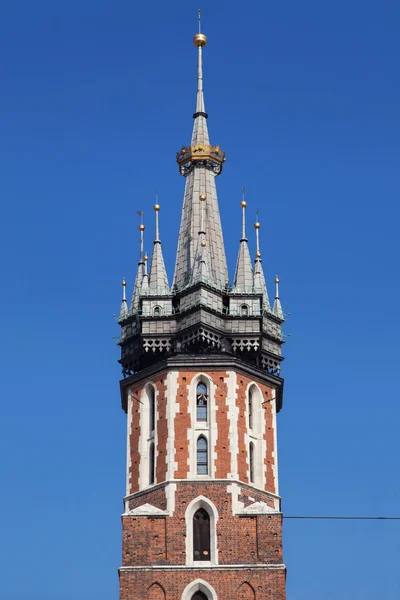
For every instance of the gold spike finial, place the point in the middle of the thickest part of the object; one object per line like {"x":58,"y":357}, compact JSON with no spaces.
{"x":199,"y":39}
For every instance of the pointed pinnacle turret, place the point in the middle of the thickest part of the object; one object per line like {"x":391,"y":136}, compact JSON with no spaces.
{"x":124,"y":306}
{"x":140,"y":271}
{"x":260,"y":287}
{"x":158,"y":275}
{"x":277,"y":310}
{"x":243,"y":281}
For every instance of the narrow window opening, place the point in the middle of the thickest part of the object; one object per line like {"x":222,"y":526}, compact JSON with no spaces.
{"x":244,"y":310}
{"x":199,"y":596}
{"x":157,"y":311}
{"x":250,"y":409}
{"x":202,"y":456}
{"x":201,"y":535}
{"x":151,"y":463}
{"x":251,"y":461}
{"x":152,"y":413}
{"x":201,"y":402}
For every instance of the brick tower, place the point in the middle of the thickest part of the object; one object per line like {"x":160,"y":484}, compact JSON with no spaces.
{"x":201,"y":388}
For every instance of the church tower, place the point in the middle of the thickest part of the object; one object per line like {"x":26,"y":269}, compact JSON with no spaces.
{"x":201,"y":388}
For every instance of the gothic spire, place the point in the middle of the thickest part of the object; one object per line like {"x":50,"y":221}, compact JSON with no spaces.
{"x":243,"y":281}
{"x":278,"y":312}
{"x":158,"y":275}
{"x":200,"y":163}
{"x":140,"y":271}
{"x":124,"y":306}
{"x":260,"y":287}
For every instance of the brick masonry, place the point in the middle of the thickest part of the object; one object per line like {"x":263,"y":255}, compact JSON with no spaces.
{"x":250,"y":562}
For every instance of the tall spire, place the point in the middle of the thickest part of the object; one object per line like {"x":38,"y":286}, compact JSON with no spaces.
{"x":158,"y":274}
{"x":140,"y":271}
{"x":124,"y":306}
{"x":200,"y":130}
{"x":200,"y":163}
{"x":278,"y":312}
{"x":243,"y":281}
{"x":260,"y":287}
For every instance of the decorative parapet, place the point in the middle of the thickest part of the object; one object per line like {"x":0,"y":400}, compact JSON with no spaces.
{"x":210,"y":156}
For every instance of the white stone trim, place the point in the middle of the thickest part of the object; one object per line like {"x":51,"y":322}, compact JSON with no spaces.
{"x":128,"y":443}
{"x":256,"y":436}
{"x":208,"y":429}
{"x":199,"y":585}
{"x":258,"y":566}
{"x":172,"y":411}
{"x":145,"y":510}
{"x":275,"y":448}
{"x":193,"y":506}
{"x":146,"y":437}
{"x":233,"y":417}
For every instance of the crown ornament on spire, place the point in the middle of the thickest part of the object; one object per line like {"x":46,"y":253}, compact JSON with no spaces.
{"x":200,"y":149}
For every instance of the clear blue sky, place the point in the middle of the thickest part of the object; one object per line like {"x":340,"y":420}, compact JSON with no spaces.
{"x":96,"y":98}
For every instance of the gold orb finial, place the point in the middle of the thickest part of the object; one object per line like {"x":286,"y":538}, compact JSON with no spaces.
{"x":124,"y":282}
{"x":156,"y":207}
{"x":277,"y":279}
{"x":141,"y":227}
{"x":243,"y":204}
{"x":258,"y":254}
{"x":146,"y":258}
{"x":203,"y":244}
{"x":203,"y":197}
{"x":199,"y":40}
{"x":257,"y":225}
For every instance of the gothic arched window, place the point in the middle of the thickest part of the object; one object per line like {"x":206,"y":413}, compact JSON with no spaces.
{"x":201,"y":535}
{"x":202,"y":456}
{"x":201,"y":402}
{"x":152,"y":463}
{"x":244,"y":310}
{"x":250,"y":408}
{"x":152,"y":410}
{"x":157,"y":311}
{"x":251,"y":462}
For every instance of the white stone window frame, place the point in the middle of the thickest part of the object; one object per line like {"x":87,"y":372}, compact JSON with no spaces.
{"x":255,"y":435}
{"x":192,"y":508}
{"x":157,"y":311}
{"x":199,"y":585}
{"x":147,"y":437}
{"x":207,"y":429}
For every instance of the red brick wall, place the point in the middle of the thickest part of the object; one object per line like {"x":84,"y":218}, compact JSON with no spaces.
{"x":161,"y":540}
{"x":228,"y":585}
